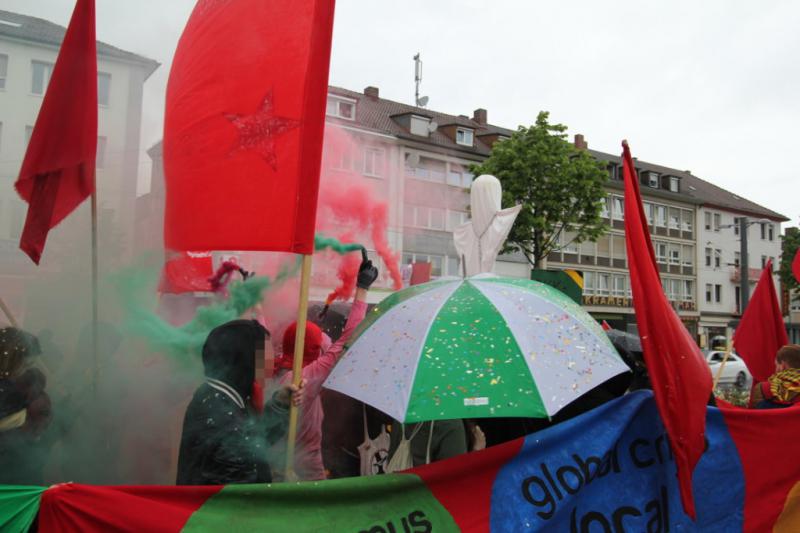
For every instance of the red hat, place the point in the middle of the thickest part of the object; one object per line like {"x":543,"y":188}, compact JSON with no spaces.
{"x":311,"y":348}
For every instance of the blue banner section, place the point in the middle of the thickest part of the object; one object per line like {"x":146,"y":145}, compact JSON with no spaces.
{"x":612,"y":471}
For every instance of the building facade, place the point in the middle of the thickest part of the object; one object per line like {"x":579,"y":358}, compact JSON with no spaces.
{"x":672,"y":218}
{"x":28,"y":51}
{"x":419,"y":160}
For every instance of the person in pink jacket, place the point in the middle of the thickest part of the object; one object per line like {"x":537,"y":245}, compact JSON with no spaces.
{"x":317,"y":366}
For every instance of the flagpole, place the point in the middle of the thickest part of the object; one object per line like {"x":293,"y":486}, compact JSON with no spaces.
{"x":7,"y":312}
{"x":721,"y":367}
{"x":297,"y":366}
{"x":94,"y":289}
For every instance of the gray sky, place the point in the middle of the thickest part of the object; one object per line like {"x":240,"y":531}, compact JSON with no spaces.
{"x":710,"y":86}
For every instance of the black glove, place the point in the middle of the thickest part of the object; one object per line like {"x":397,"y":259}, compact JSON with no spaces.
{"x":367,"y":272}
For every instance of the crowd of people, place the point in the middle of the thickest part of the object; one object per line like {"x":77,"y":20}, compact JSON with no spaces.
{"x":234,"y":432}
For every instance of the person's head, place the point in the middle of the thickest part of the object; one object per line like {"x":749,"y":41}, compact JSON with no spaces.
{"x":15,"y":347}
{"x":312,"y":346}
{"x":233,"y":352}
{"x":789,"y":357}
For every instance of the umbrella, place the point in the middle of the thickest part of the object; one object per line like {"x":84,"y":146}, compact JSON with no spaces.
{"x":483,"y":346}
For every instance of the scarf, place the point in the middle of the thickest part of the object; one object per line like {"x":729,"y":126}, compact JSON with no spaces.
{"x":785,"y":385}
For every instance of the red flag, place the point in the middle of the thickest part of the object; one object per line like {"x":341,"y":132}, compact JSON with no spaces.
{"x":761,"y":331}
{"x":58,"y":170}
{"x":679,"y":374}
{"x":606,"y":326}
{"x":796,"y":266}
{"x":187,"y":273}
{"x":244,"y":126}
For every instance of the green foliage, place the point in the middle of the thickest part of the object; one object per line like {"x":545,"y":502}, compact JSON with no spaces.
{"x":561,"y":188}
{"x":789,"y":246}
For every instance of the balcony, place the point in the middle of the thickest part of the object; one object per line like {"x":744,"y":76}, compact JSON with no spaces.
{"x":753,"y":274}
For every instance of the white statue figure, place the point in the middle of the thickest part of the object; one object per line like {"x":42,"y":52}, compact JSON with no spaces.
{"x":479,"y":241}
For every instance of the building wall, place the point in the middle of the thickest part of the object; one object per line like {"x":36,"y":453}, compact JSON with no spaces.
{"x":118,"y":123}
{"x":718,"y":247}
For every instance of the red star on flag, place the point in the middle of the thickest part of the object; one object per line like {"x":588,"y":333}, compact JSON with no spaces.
{"x":257,"y":132}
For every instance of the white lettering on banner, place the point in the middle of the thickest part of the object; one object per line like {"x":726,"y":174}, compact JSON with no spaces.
{"x":470,"y":402}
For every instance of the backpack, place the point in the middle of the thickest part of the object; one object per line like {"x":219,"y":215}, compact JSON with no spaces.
{"x":373,"y":453}
{"x":403,"y":459}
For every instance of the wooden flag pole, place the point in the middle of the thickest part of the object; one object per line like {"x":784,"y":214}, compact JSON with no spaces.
{"x":297,"y":366}
{"x":95,"y":370}
{"x":7,"y":312}
{"x":721,"y":367}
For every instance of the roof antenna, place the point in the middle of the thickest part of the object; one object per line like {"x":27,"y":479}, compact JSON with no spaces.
{"x":418,"y":101}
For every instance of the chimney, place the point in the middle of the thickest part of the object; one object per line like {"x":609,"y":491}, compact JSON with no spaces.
{"x":372,"y":92}
{"x":480,"y":116}
{"x":580,"y":143}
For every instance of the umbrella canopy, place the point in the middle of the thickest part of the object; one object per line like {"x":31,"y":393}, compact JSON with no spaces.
{"x":484,"y":346}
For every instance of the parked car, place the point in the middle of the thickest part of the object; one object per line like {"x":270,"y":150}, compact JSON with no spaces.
{"x":735,"y":371}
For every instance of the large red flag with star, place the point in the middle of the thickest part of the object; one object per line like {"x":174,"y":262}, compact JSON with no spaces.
{"x":244,"y":125}
{"x":679,"y":374}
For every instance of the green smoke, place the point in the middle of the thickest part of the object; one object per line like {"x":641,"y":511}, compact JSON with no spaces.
{"x":330,"y":243}
{"x":137,"y":286}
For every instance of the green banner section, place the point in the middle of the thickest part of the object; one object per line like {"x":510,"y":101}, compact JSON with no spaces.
{"x":18,"y":507}
{"x":570,"y":282}
{"x":381,"y":504}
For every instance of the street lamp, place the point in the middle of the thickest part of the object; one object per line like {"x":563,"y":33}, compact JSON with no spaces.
{"x":744,"y":267}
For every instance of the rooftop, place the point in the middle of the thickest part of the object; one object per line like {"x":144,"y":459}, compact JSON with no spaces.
{"x":376,"y":114}
{"x":36,"y":30}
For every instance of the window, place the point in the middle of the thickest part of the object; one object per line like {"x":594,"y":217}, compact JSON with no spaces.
{"x":100,"y":157}
{"x":718,"y":293}
{"x":687,"y":251}
{"x":604,"y":208}
{"x":40,"y":76}
{"x":648,"y":212}
{"x":336,"y":107}
{"x":373,"y":162}
{"x":437,"y":219}
{"x":603,"y":283}
{"x":570,"y":246}
{"x":342,"y":160}
{"x":717,"y":221}
{"x":420,"y":125}
{"x":688,"y":290}
{"x":588,"y":283}
{"x":424,"y":217}
{"x":3,"y":70}
{"x":453,"y":266}
{"x":771,"y":232}
{"x":464,"y":136}
{"x":737,"y":258}
{"x":458,"y":177}
{"x":674,"y":184}
{"x":674,"y":254}
{"x":661,"y":216}
{"x":618,"y":251}
{"x":661,"y":252}
{"x":763,"y":231}
{"x":604,"y":247}
{"x":709,"y":254}
{"x":717,"y":258}
{"x":28,"y":133}
{"x":675,"y":286}
{"x":674,"y":218}
{"x":620,"y":286}
{"x":103,"y":88}
{"x":429,"y":170}
{"x":455,"y":219}
{"x":763,"y":261}
{"x":687,"y":220}
{"x":619,"y":208}
{"x":708,"y":221}
{"x":709,"y":289}
{"x":736,"y":225}
{"x":652,"y":180}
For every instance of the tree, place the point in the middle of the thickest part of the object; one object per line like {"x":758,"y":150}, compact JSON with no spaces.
{"x":789,"y":246}
{"x":561,"y":189}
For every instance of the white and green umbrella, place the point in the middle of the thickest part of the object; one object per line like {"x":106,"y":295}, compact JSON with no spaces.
{"x":484,"y":346}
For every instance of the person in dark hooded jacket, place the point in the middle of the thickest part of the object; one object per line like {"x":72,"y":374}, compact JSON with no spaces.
{"x":225,"y":436}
